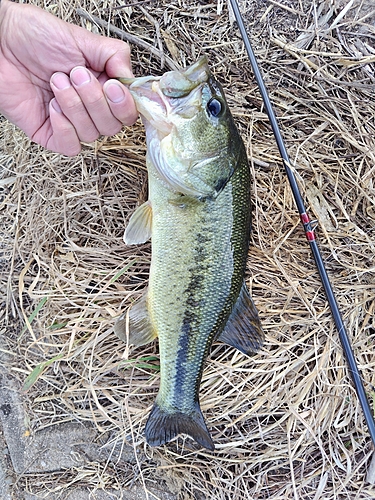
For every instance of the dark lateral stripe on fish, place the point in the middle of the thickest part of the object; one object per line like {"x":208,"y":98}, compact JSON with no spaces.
{"x":162,"y":427}
{"x":190,"y":345}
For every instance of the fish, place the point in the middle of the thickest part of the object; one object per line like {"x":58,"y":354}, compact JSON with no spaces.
{"x":198,"y":216}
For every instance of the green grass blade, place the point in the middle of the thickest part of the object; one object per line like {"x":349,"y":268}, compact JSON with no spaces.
{"x":32,"y":316}
{"x":123,"y":270}
{"x":37,"y":372}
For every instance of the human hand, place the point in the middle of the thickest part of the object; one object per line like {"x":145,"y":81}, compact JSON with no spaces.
{"x":57,"y":79}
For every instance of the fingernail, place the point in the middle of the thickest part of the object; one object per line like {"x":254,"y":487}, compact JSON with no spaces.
{"x":80,"y":76}
{"x":60,"y":81}
{"x":56,"y":106}
{"x":114,"y":92}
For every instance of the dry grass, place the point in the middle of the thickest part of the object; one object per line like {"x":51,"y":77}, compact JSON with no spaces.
{"x":286,"y":423}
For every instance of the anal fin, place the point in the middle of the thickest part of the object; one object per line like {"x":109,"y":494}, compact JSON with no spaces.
{"x":141,"y":331}
{"x":243,"y":329}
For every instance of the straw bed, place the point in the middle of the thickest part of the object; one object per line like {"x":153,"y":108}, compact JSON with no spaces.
{"x":286,"y":423}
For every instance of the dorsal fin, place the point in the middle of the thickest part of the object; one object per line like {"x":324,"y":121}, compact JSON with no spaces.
{"x":243,"y":329}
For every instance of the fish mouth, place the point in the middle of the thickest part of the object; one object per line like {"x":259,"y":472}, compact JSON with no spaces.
{"x":166,"y":104}
{"x":160,"y":99}
{"x":150,"y":103}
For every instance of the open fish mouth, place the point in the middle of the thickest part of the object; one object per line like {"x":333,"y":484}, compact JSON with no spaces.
{"x":150,"y":102}
{"x":158,"y":99}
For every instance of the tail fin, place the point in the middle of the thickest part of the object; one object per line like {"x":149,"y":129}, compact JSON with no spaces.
{"x":162,"y":427}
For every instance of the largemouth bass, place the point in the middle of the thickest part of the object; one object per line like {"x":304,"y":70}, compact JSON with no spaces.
{"x":198,"y":216}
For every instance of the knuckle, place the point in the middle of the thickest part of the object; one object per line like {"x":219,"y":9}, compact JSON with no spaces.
{"x":94,"y":100}
{"x":71,"y":106}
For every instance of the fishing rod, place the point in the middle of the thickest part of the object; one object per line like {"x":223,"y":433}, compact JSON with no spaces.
{"x":309,"y":229}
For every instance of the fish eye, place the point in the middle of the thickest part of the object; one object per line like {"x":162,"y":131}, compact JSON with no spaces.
{"x":214,"y":107}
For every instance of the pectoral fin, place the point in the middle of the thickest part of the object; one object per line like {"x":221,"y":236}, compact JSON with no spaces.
{"x":140,"y":225}
{"x":141,"y":331}
{"x":243,"y":329}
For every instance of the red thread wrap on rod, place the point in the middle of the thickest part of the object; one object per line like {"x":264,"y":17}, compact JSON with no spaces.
{"x":310,"y":235}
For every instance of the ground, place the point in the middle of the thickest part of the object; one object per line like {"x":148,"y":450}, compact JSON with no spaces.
{"x":286,"y":423}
